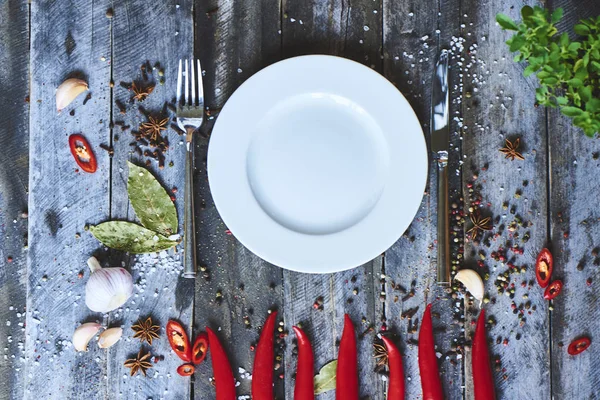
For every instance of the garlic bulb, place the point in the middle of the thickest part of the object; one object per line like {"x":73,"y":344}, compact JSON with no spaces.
{"x":68,"y":91}
{"x":107,"y":288}
{"x":83,"y":334}
{"x":472,"y":282}
{"x":109,"y":337}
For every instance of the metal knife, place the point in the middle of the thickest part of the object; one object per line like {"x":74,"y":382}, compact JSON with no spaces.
{"x":440,"y":140}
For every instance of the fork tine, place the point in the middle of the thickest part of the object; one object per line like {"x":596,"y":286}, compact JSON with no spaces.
{"x":193,"y":79}
{"x":179,"y":85}
{"x":200,"y":85}
{"x":187,"y":83}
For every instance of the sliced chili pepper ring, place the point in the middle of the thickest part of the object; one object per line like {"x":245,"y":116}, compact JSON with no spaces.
{"x":543,"y":267}
{"x":579,"y":346}
{"x":82,"y":153}
{"x":179,"y":341}
{"x":186,"y":369}
{"x":200,"y":348}
{"x":553,"y":290}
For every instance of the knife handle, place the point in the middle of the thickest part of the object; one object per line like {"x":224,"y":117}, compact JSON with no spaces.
{"x":189,"y":234}
{"x":443,"y":235}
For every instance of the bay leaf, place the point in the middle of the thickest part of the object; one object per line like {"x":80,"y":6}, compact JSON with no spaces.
{"x":151,"y":202}
{"x":325,"y":379}
{"x":127,"y":236}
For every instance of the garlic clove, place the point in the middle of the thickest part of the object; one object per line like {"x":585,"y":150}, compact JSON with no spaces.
{"x":68,"y":91}
{"x":107,"y":288}
{"x":109,"y":337}
{"x":83,"y":334}
{"x":472,"y":282}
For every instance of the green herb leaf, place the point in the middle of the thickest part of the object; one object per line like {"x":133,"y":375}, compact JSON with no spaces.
{"x":506,"y":22}
{"x":575,"y":82}
{"x":526,"y":12}
{"x":585,"y":93}
{"x":151,"y":202}
{"x":127,"y":236}
{"x":325,"y":379}
{"x":571,"y":111}
{"x":556,"y":15}
{"x":516,"y":42}
{"x":581,"y":29}
{"x":593,"y":105}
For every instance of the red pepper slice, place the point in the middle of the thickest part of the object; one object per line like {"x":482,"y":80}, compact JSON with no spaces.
{"x":428,"y":367}
{"x":186,"y":369}
{"x":543,"y":267}
{"x":553,"y":290}
{"x":346,"y":387}
{"x":305,"y":384}
{"x":483,"y":380}
{"x":179,"y":341}
{"x":396,"y":379}
{"x":579,"y":346}
{"x":262,"y":375}
{"x":82,"y":153}
{"x":224,"y":381}
{"x":200,"y":348}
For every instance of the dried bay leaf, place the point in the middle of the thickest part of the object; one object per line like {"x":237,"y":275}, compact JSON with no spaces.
{"x":151,"y":202}
{"x":127,"y":236}
{"x":325,"y":379}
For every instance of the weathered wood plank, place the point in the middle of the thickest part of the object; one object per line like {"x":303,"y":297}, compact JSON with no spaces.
{"x":67,"y":39}
{"x":414,"y":33}
{"x":352,"y":30}
{"x":498,"y":105}
{"x":14,"y":138}
{"x":157,"y":36}
{"x":234,"y":40}
{"x":575,"y":229}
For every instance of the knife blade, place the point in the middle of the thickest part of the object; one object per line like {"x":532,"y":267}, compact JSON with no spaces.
{"x":440,"y":143}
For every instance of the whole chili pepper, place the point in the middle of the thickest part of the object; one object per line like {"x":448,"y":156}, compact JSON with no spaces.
{"x":579,"y":346}
{"x":224,"y":381}
{"x":428,"y":367}
{"x":483,"y":381}
{"x":543,"y":267}
{"x":186,"y":369}
{"x":346,"y":387}
{"x":305,"y":384}
{"x":553,"y":290}
{"x":396,"y":379}
{"x":262,"y":375}
{"x":200,"y":348}
{"x":179,"y":341}
{"x":82,"y":153}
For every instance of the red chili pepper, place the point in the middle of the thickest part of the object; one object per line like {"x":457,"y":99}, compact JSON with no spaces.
{"x":483,"y":380}
{"x":579,"y":346}
{"x":396,"y":379}
{"x":346,"y":387}
{"x":428,"y":367}
{"x":305,"y":385}
{"x":262,"y":375}
{"x":82,"y":153}
{"x":543,"y":267}
{"x":224,"y":382}
{"x":200,"y":348}
{"x":179,"y":341}
{"x":186,"y":369}
{"x":553,"y":290}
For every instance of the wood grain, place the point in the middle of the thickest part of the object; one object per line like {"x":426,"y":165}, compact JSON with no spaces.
{"x":575,"y":229}
{"x":14,"y":138}
{"x":67,"y":39}
{"x":157,"y":37}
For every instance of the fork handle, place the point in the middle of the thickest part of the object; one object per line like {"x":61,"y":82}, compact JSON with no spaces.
{"x":189,"y":238}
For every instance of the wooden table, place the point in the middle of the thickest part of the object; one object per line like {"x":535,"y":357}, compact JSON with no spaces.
{"x":549,"y":199}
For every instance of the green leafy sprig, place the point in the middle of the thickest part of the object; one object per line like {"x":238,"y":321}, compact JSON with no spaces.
{"x":568,"y":70}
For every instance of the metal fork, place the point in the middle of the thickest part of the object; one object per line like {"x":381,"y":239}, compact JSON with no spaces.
{"x":190,"y":115}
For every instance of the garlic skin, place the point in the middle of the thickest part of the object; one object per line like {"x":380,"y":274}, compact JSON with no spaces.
{"x":109,"y":337}
{"x":83,"y":334}
{"x":472,"y":282}
{"x":68,"y":91}
{"x":107,"y":288}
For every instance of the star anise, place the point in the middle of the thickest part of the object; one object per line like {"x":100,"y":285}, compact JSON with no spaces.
{"x":139,"y":363}
{"x":380,"y":355}
{"x":140,"y":93}
{"x":479,"y":224}
{"x":146,"y":331}
{"x":511,"y":150}
{"x":153,"y":128}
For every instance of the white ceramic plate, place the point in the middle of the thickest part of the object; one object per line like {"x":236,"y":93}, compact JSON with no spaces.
{"x":317,"y":164}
